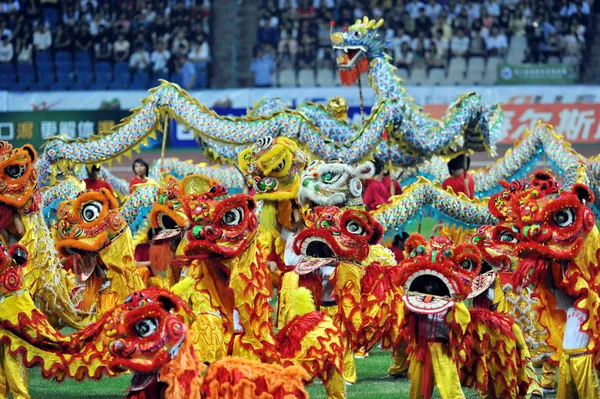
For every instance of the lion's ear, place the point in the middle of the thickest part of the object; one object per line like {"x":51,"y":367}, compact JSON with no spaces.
{"x":583,"y":192}
{"x":31,"y":151}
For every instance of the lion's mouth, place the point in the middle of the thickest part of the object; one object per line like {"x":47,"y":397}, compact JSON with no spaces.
{"x":483,"y":280}
{"x":349,"y":56}
{"x":316,"y":253}
{"x":141,"y":381}
{"x":428,"y":291}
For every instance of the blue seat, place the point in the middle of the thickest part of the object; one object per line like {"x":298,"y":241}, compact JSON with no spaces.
{"x":26,"y":80}
{"x":103,"y":67}
{"x":51,"y":16}
{"x":201,"y":80}
{"x":64,"y":68}
{"x":200,"y":66}
{"x":43,"y":57}
{"x":103,"y":80}
{"x":176,"y":78}
{"x":159,"y":75}
{"x":64,"y":80}
{"x":45,"y":67}
{"x":120,"y":85}
{"x":121,"y":68}
{"x":6,"y":68}
{"x":25,"y":69}
{"x":45,"y":81}
{"x":83,"y":67}
{"x":84,"y":80}
{"x":63,"y":57}
{"x":83,"y":57}
{"x":141,"y":81}
{"x":7,"y":80}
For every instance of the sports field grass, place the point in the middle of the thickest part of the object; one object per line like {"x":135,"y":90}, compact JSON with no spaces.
{"x":371,"y":384}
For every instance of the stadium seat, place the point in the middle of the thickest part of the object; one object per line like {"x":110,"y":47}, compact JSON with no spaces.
{"x":83,"y":67}
{"x":26,"y":77}
{"x":102,"y":67}
{"x":418,"y":76}
{"x":103,"y":80}
{"x":8,"y":77}
{"x":141,"y":81}
{"x":553,"y":60}
{"x":121,"y":68}
{"x":201,"y":79}
{"x":476,"y":66}
{"x":51,"y":15}
{"x":176,"y":78}
{"x":159,"y":75}
{"x":306,"y":78}
{"x":45,"y":80}
{"x":43,"y":57}
{"x":436,"y":76}
{"x":64,"y":80}
{"x":84,"y":81}
{"x":63,"y":58}
{"x":457,"y":65}
{"x":402,"y":73}
{"x":83,"y":57}
{"x":286,"y":78}
{"x":326,"y":77}
{"x":64,"y":68}
{"x":570,"y":60}
{"x":45,"y":67}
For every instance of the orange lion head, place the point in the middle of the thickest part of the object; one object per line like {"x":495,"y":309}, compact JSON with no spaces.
{"x":18,"y":177}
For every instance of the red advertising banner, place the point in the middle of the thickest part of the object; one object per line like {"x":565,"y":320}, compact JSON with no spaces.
{"x":579,"y":123}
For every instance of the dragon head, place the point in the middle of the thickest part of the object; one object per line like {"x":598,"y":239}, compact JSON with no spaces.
{"x":88,"y":223}
{"x":18,"y":177}
{"x":437,"y":273}
{"x":335,"y":234}
{"x":145,"y":333}
{"x":12,"y":262}
{"x":360,"y":44}
{"x":542,"y":222}
{"x":274,"y":166}
{"x":220,"y":226}
{"x":333,"y":184}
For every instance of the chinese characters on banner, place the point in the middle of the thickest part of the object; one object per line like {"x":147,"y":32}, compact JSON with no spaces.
{"x":579,"y":123}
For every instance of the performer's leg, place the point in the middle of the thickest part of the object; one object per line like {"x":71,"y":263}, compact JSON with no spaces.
{"x":445,"y":373}
{"x":548,"y":375}
{"x":577,"y":376}
{"x":17,"y":377}
{"x":4,"y":389}
{"x":400,"y":365}
{"x":349,"y":364}
{"x":334,"y":384}
{"x":415,"y":374}
{"x":535,"y":390}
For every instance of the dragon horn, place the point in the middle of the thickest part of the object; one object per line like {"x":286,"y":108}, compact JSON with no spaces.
{"x":379,"y":23}
{"x":365,"y":20}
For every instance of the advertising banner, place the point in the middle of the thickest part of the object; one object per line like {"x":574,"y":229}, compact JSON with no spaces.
{"x":35,"y":127}
{"x":537,"y":74}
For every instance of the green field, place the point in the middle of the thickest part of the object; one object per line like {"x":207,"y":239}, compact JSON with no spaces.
{"x":371,"y":384}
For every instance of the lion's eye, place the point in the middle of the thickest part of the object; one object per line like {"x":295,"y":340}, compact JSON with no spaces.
{"x":564,"y":217}
{"x":91,"y":211}
{"x":15,"y":171}
{"x":233,"y":217}
{"x":467,"y":264}
{"x":280,"y":167}
{"x":354,"y":227}
{"x":264,"y":142}
{"x":146,"y":327}
{"x":507,"y":236}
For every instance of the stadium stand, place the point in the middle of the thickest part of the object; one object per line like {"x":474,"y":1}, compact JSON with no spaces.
{"x":89,"y":44}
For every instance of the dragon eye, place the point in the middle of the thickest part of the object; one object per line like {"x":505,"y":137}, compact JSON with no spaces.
{"x":145,"y":327}
{"x":356,"y":35}
{"x":507,"y":236}
{"x":91,"y":211}
{"x":15,"y":171}
{"x":233,"y":217}
{"x":564,"y":217}
{"x":354,"y":227}
{"x":467,"y":264}
{"x":280,"y":167}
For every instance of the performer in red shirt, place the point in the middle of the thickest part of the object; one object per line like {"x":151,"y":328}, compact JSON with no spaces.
{"x":378,"y":190}
{"x":140,"y":168}
{"x":397,"y":247}
{"x":95,"y":184}
{"x":456,"y":168}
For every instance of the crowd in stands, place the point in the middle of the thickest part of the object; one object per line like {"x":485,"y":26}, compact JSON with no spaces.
{"x":145,"y":39}
{"x":428,"y":33}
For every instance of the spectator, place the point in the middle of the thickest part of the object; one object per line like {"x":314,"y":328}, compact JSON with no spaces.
{"x":96,"y":23}
{"x":571,"y":42}
{"x":140,"y":169}
{"x":492,"y":7}
{"x":104,"y":50}
{"x":433,"y":10}
{"x":94,"y":183}
{"x":25,"y":49}
{"x":459,"y":45}
{"x":179,"y":41}
{"x":441,"y":44}
{"x":199,"y":52}
{"x":400,"y":38}
{"x":433,"y":57}
{"x":422,"y":40}
{"x":423,"y":22}
{"x":121,"y":48}
{"x":262,"y":67}
{"x":405,"y":57}
{"x":160,"y":58}
{"x":62,"y":38}
{"x":70,"y":16}
{"x":42,"y":38}
{"x":518,"y":23}
{"x":123,"y":24}
{"x":140,"y":59}
{"x":413,"y":7}
{"x":288,"y":45}
{"x":6,"y":50}
{"x":83,"y":41}
{"x":458,"y":176}
{"x":187,"y":71}
{"x":496,"y":43}
{"x":378,"y":190}
{"x":398,"y":244}
{"x":442,"y":24}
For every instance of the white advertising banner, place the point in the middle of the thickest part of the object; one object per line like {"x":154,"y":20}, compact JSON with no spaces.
{"x":245,"y":98}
